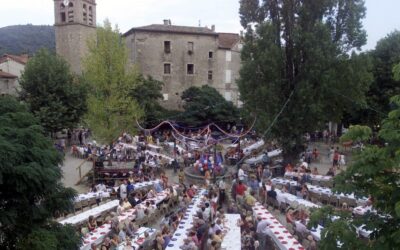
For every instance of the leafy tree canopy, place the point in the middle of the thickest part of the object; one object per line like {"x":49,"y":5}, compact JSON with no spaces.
{"x":31,"y":191}
{"x":148,"y":94}
{"x":111,"y":108}
{"x":205,"y":104}
{"x":374,"y":172}
{"x":299,"y":51}
{"x":384,"y":57}
{"x":52,"y":92}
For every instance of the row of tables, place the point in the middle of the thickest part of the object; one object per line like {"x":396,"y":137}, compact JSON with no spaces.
{"x":187,"y":222}
{"x":320,"y":190}
{"x":313,"y":177}
{"x":258,"y":159}
{"x":97,"y":235}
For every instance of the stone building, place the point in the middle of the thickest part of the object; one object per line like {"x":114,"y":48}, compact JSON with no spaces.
{"x":75,"y":24}
{"x":11,"y":69}
{"x":182,"y":56}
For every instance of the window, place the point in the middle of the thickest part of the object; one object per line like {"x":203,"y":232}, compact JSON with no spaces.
{"x":84,"y":9}
{"x":228,"y":56}
{"x":228,"y":76}
{"x":228,"y":96}
{"x":190,"y":69}
{"x":210,"y":55}
{"x":90,"y":15}
{"x":167,"y":68}
{"x":63,"y":17}
{"x":210,"y":75}
{"x":190,"y":47}
{"x":167,"y":47}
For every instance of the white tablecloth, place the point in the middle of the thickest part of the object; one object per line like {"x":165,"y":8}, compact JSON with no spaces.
{"x":291,"y":199}
{"x":84,"y":216}
{"x":87,"y":196}
{"x":258,"y":159}
{"x":320,"y":190}
{"x":232,"y":237}
{"x":247,"y":150}
{"x":313,"y":177}
{"x":361,"y":210}
{"x":281,"y":236}
{"x":141,"y":185}
{"x":186,"y":223}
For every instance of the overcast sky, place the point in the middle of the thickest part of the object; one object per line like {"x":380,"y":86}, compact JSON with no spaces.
{"x":382,"y":15}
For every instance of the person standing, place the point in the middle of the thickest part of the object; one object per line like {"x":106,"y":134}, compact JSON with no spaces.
{"x":123,"y":190}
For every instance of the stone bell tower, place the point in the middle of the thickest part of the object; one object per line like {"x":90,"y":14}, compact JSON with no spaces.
{"x":75,"y":23}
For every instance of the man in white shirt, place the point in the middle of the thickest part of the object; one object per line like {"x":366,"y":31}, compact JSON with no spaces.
{"x":241,"y":174}
{"x":122,"y":190}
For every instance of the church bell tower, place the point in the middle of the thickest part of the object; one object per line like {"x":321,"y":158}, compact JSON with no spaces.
{"x":75,"y":24}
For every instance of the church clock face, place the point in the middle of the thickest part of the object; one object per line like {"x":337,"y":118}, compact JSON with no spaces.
{"x":66,"y":2}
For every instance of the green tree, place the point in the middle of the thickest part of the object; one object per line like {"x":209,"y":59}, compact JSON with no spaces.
{"x":111,"y":108}
{"x":147,"y":94}
{"x":205,"y":104}
{"x":384,"y":57}
{"x":30,"y":183}
{"x":54,"y":95}
{"x":396,"y":72}
{"x":374,"y":172}
{"x":299,"y":52}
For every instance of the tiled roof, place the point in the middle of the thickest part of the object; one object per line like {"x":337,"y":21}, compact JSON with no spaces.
{"x":173,"y":29}
{"x":23,"y":59}
{"x":7,"y":75}
{"x":227,"y":40}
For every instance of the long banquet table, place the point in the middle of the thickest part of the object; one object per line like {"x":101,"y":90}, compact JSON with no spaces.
{"x":320,"y":190}
{"x":232,"y":237}
{"x":258,"y":159}
{"x":99,"y":233}
{"x":89,"y":195}
{"x":96,"y":211}
{"x":247,"y":150}
{"x":313,"y":177}
{"x":279,"y":234}
{"x":291,"y":199}
{"x":186,"y":223}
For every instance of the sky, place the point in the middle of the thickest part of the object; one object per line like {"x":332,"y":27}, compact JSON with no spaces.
{"x":382,"y":15}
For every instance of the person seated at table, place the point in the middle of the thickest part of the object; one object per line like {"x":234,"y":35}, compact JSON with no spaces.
{"x":92,"y":224}
{"x":254,"y":184}
{"x":151,"y":194}
{"x":218,"y":236}
{"x":126,"y":204}
{"x":131,"y":229}
{"x":303,"y":215}
{"x":122,"y":234}
{"x":166,"y":234}
{"x":345,"y":208}
{"x":249,"y":198}
{"x":190,"y":192}
{"x":331,"y":172}
{"x":214,"y":245}
{"x":93,"y":246}
{"x":272,"y":193}
{"x":114,"y":242}
{"x":106,"y":244}
{"x":290,"y":216}
{"x":128,"y":244}
{"x":315,"y":171}
{"x":289,"y":168}
{"x":300,"y":227}
{"x":188,"y":244}
{"x":304,"y":192}
{"x":158,"y":187}
{"x":313,"y":244}
{"x":120,"y":208}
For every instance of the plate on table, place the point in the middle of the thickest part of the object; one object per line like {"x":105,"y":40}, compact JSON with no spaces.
{"x":178,"y":234}
{"x":103,"y":233}
{"x":94,"y":238}
{"x":284,"y":242}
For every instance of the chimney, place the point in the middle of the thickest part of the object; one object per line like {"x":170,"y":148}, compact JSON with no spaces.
{"x":166,"y":22}
{"x":213,"y":27}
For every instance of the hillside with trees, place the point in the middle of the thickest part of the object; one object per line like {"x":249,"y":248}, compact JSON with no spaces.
{"x":20,"y":39}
